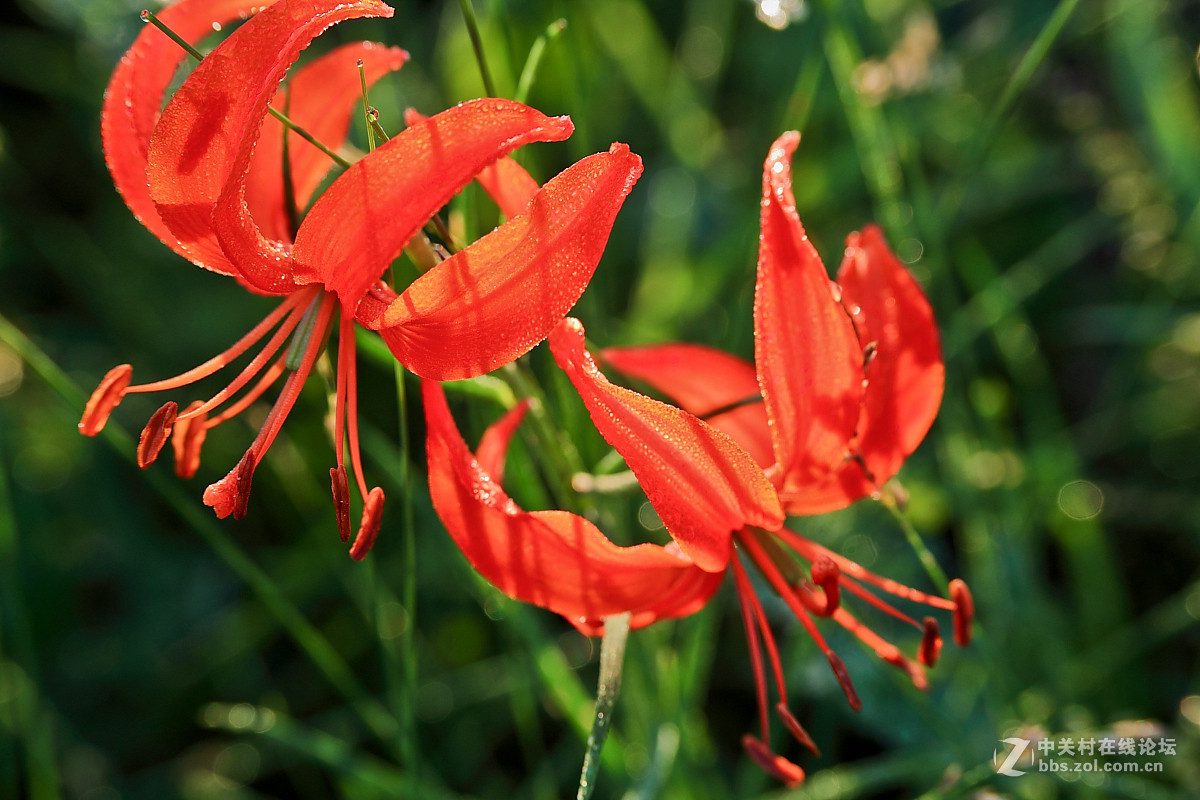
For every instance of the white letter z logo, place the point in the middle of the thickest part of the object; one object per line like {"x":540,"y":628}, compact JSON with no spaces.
{"x":1018,"y":749}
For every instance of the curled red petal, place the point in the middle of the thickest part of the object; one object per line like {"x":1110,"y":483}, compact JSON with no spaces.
{"x":702,"y":380}
{"x":134,"y":97}
{"x":509,"y":184}
{"x":505,"y":181}
{"x":810,"y":364}
{"x":364,"y":220}
{"x":493,"y":301}
{"x":493,"y":447}
{"x":552,"y":559}
{"x":905,"y":376}
{"x":201,"y":148}
{"x":703,"y":485}
{"x":321,"y":97}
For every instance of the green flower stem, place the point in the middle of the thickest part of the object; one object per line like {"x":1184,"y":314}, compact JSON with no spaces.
{"x":928,"y":561}
{"x":612,"y":658}
{"x":1018,"y":82}
{"x":534,"y":60}
{"x":366,"y":106}
{"x":872,"y":138}
{"x":408,"y":599}
{"x":468,"y":12}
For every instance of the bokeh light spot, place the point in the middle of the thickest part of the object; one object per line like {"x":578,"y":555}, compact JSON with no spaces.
{"x":1080,"y":499}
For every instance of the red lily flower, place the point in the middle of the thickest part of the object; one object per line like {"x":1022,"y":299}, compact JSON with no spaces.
{"x":846,"y":374}
{"x":850,"y":373}
{"x":676,"y":475}
{"x":206,"y":177}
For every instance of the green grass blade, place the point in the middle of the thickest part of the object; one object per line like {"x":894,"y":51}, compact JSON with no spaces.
{"x":318,"y":649}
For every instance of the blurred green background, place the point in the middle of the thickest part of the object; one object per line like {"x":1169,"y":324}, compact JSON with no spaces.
{"x":1037,"y":164}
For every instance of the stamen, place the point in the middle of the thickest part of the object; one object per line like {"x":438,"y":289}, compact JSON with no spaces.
{"x":745,"y":593}
{"x":812,"y":551}
{"x":304,"y":332}
{"x":372,"y":517}
{"x":245,"y":401}
{"x":795,"y":728}
{"x":881,"y":604}
{"x":222,"y":360}
{"x":785,"y":589}
{"x":155,"y":434}
{"x":187,"y":439}
{"x":245,"y":475}
{"x":964,"y":611}
{"x":931,"y":643}
{"x":791,"y":570}
{"x":827,"y":575}
{"x":347,"y":361}
{"x":883,"y":648}
{"x":764,"y":628}
{"x":797,"y":608}
{"x":291,"y":389}
{"x":775,"y":765}
{"x":231,"y":494}
{"x":341,"y":500}
{"x":104,"y":399}
{"x":843,"y":677}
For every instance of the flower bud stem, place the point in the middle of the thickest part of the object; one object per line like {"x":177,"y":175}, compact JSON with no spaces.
{"x":612,"y":658}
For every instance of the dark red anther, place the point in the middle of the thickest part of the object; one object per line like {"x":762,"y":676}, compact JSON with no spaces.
{"x":106,"y":397}
{"x":154,"y":435}
{"x":931,"y":643}
{"x":771,"y":763}
{"x":795,"y":728}
{"x":964,"y":612}
{"x":245,"y":476}
{"x":187,"y":439}
{"x":843,"y":677}
{"x":341,"y":500}
{"x":369,"y":529}
{"x":231,"y":494}
{"x":827,"y":575}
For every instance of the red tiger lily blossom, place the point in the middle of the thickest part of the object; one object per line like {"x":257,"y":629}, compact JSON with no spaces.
{"x":684,"y":476}
{"x":851,"y":378}
{"x":850,"y":373}
{"x":206,"y":177}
